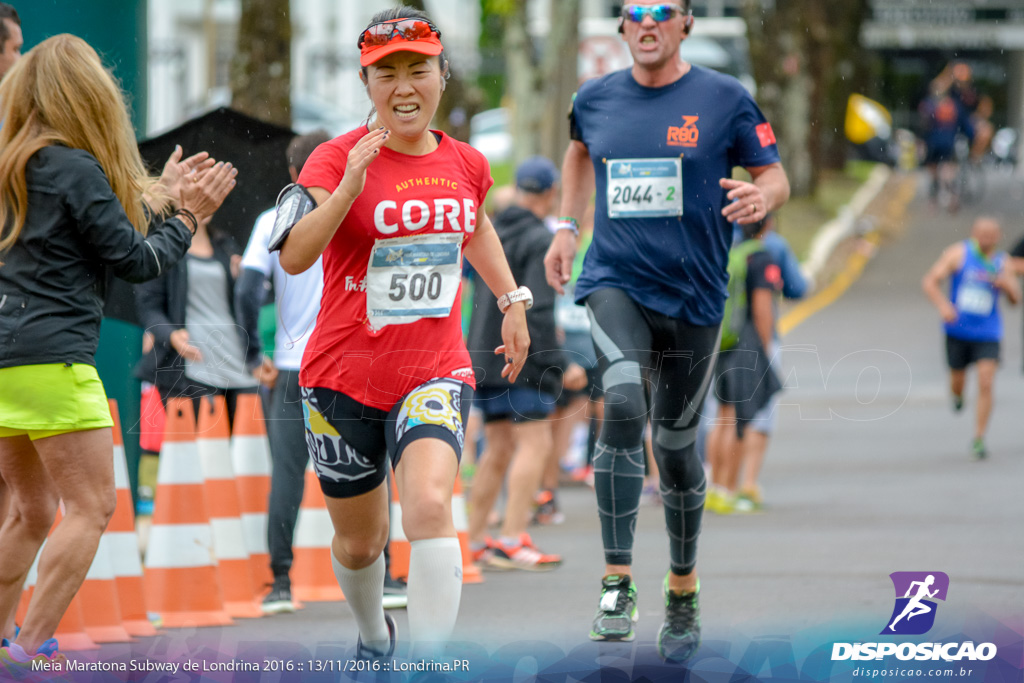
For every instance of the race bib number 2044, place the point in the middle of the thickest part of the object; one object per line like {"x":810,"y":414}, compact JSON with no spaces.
{"x":644,"y":188}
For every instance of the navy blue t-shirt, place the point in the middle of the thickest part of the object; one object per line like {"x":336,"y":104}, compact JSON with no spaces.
{"x":707,"y":123}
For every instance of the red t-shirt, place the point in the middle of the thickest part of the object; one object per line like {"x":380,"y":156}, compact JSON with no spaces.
{"x":434,"y":193}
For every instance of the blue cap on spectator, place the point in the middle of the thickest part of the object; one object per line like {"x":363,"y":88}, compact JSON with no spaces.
{"x":536,"y":175}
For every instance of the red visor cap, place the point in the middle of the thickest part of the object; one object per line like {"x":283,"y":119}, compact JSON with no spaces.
{"x":430,"y":46}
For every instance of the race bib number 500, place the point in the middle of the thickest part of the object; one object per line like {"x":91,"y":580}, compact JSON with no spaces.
{"x":644,"y":188}
{"x":410,"y":278}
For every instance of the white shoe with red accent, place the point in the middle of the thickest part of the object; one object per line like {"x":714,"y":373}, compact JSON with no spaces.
{"x":522,"y":555}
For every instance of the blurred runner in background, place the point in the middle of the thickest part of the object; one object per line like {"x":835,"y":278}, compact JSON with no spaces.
{"x":978,"y":275}
{"x":517,"y":430}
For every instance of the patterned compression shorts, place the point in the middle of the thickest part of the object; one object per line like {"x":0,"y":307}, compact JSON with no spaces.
{"x":349,"y":443}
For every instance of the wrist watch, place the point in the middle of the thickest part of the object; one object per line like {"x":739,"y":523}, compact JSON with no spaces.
{"x":522,"y":294}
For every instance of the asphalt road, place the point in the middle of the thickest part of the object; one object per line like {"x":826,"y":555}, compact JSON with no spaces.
{"x":869,"y":473}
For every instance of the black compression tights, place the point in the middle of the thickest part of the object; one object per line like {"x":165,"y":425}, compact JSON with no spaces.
{"x":653,"y":368}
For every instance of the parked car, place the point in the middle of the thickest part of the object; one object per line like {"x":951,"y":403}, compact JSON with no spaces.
{"x":308,"y":113}
{"x":489,"y":133}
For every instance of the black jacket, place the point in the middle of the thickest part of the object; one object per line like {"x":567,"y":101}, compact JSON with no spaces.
{"x":525,"y":240}
{"x":54,"y":278}
{"x":161,"y":306}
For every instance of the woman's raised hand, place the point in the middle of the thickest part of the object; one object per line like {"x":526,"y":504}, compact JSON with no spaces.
{"x":202,"y":192}
{"x":359,"y":159}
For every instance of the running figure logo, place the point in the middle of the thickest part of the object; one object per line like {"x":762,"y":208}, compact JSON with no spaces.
{"x":914,"y":613}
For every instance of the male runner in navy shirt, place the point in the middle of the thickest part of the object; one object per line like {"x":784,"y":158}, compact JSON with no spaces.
{"x":659,"y":141}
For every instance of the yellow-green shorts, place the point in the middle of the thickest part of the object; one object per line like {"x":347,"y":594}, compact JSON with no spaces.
{"x":47,"y":400}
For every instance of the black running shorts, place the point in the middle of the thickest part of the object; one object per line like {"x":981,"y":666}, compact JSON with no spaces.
{"x":961,"y":352}
{"x":349,"y":443}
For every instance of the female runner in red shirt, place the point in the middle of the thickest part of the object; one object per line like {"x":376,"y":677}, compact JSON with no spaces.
{"x":386,"y":373}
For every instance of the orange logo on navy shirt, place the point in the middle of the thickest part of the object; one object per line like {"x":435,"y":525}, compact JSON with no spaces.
{"x":685,"y":135}
{"x":765,"y":134}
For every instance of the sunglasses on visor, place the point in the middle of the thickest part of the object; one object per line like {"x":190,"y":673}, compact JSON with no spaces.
{"x":405,"y":29}
{"x":659,"y":13}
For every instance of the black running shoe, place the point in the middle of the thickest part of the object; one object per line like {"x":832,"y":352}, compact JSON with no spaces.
{"x":679,"y":636}
{"x":279,"y":599}
{"x":364,"y":652}
{"x":616,"y":613}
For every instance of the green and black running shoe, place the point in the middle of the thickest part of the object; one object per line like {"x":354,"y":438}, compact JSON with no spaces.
{"x":679,"y":636}
{"x":978,"y":449}
{"x":616,"y":613}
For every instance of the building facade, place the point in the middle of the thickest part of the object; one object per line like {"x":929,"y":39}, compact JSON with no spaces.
{"x":917,"y":38}
{"x":192,"y":42}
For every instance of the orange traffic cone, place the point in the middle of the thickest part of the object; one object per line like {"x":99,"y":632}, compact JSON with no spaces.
{"x":30,"y":582}
{"x":470,"y":572}
{"x":399,"y":549}
{"x":181,"y":576}
{"x":101,"y":610}
{"x":214,"y":443}
{"x":123,"y":542}
{"x":70,"y":633}
{"x":250,"y":456}
{"x":312,"y":574}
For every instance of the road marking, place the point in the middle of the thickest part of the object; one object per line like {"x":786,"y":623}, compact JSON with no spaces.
{"x":850,"y":273}
{"x":896,"y":209}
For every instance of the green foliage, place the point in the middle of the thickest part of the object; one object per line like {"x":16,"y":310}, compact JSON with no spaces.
{"x":500,"y":7}
{"x":800,"y":218}
{"x":808,"y":52}
{"x":491,"y":78}
{"x":859,"y":170}
{"x":502,"y":172}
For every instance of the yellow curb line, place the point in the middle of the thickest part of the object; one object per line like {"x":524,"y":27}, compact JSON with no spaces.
{"x":850,"y":273}
{"x":853,"y":269}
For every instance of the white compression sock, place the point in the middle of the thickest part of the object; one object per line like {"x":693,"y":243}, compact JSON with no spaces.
{"x":364,"y":592}
{"x":435,"y":588}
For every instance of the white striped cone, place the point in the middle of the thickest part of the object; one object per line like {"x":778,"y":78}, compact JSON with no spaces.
{"x":250,"y":457}
{"x":29,"y":587}
{"x":233,"y":563}
{"x":470,"y":572}
{"x":399,"y":549}
{"x":312,"y":572}
{"x":71,"y":629}
{"x":123,"y":542}
{"x":181,"y":574}
{"x":101,"y":609}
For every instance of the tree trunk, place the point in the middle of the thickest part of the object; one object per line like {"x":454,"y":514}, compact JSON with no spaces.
{"x":778,"y":52}
{"x":851,"y":73}
{"x":560,"y":78}
{"x":807,"y":61}
{"x":541,"y":81}
{"x":526,"y":108}
{"x":262,"y":66}
{"x":459,"y":102}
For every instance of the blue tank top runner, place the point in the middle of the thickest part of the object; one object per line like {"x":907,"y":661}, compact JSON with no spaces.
{"x":976,"y":297}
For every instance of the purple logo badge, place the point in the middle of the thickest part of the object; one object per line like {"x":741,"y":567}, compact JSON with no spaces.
{"x":916,"y":593}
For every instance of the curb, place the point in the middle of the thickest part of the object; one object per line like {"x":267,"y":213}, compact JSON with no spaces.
{"x":843,"y":226}
{"x":829,"y":294}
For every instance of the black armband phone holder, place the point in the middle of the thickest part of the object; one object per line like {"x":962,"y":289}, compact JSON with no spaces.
{"x":293,"y":203}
